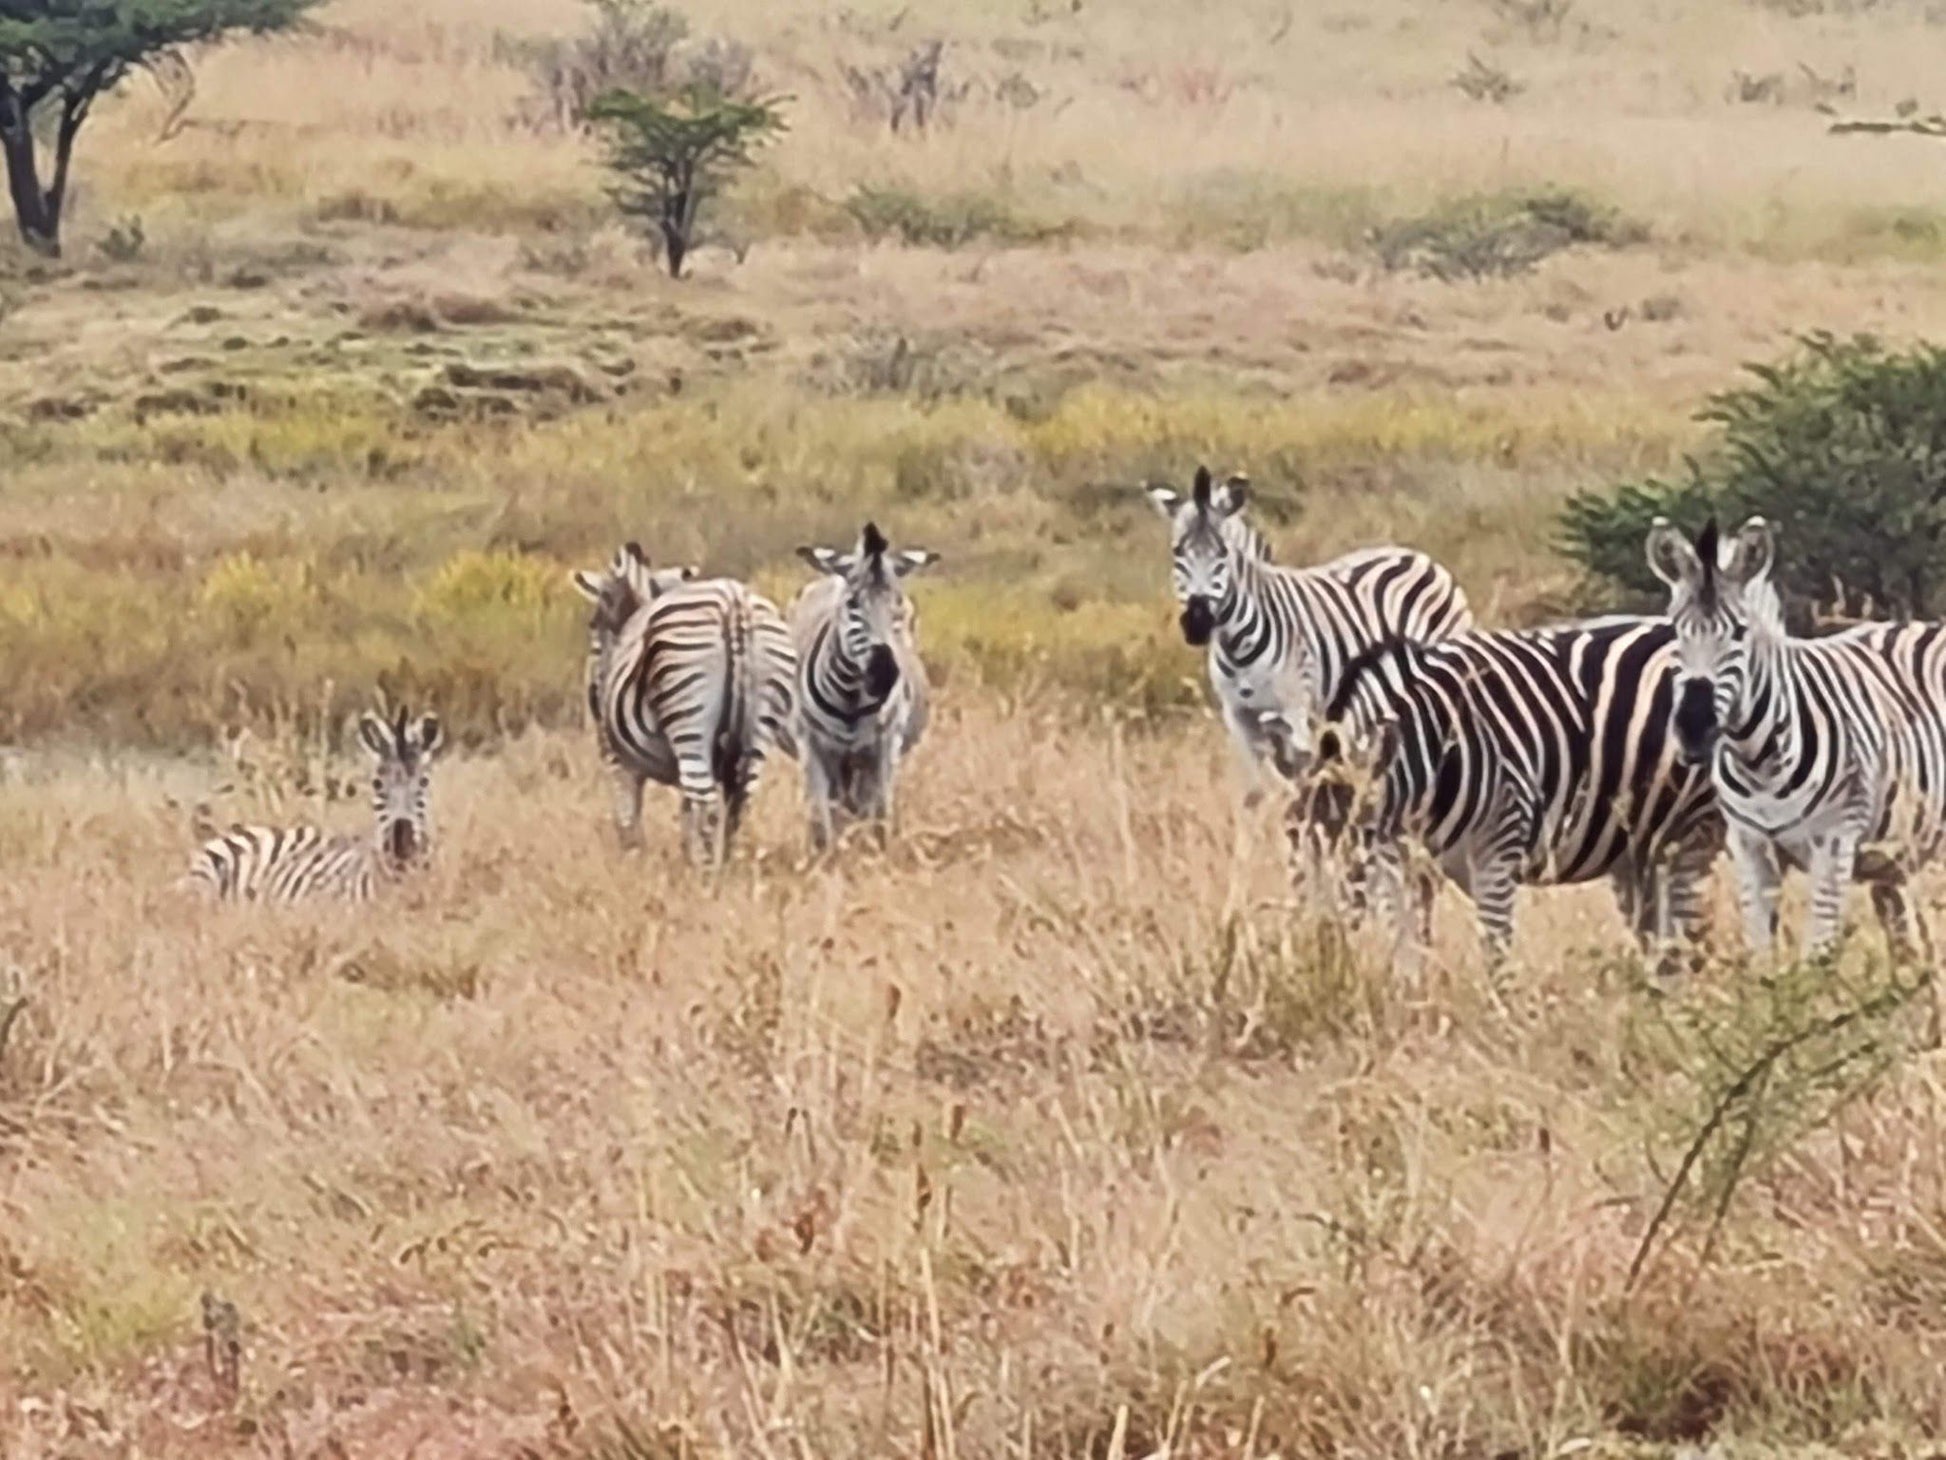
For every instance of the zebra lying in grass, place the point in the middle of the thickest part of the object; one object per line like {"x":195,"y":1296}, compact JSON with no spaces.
{"x":690,"y":683}
{"x":862,"y":696}
{"x":286,"y":864}
{"x":1279,"y":638}
{"x":1828,"y":754}
{"x":1532,"y":756}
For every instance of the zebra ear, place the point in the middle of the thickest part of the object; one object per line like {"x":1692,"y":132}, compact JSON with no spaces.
{"x":588,"y":585}
{"x":1231,"y":498}
{"x":912,"y":560}
{"x":825,"y":560}
{"x":1671,"y":558}
{"x":376,"y":734}
{"x":1752,"y":551}
{"x":1165,"y":500}
{"x":432,"y":735}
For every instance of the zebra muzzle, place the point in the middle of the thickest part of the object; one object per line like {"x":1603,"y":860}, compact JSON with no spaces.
{"x":1198,"y":622}
{"x":881,"y":671}
{"x":401,"y":841}
{"x":1696,"y":724}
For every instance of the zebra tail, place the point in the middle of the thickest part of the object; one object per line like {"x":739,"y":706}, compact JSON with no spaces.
{"x":738,"y":733}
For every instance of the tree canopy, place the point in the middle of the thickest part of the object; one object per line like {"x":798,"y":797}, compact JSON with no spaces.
{"x":58,"y":56}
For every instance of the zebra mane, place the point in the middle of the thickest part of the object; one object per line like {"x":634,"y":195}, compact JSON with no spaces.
{"x":1363,"y":663}
{"x":1706,"y":548}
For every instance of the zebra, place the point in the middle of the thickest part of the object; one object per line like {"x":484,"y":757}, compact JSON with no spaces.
{"x":1828,"y":754}
{"x":863,"y":702}
{"x":288,"y":864}
{"x":1522,"y":756}
{"x":1279,"y":638}
{"x":690,"y":684}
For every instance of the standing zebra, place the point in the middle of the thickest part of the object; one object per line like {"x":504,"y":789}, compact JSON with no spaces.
{"x":1828,"y":754}
{"x":690,"y":684}
{"x":286,"y":864}
{"x":1280,"y":638}
{"x":1540,"y":756}
{"x":862,"y":696}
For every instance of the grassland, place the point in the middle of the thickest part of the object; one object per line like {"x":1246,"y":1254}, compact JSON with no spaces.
{"x":1062,"y":1128}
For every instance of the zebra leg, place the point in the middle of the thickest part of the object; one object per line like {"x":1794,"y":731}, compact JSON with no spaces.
{"x":1759,"y":878}
{"x":883,"y":785}
{"x":628,"y":808}
{"x":1832,"y":858}
{"x":818,"y":793}
{"x":1492,"y":886}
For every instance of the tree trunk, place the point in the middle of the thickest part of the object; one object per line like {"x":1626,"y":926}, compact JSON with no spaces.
{"x":675,"y":238}
{"x":40,"y":227}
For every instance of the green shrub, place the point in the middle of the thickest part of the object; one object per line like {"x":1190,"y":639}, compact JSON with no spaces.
{"x":950,"y":221}
{"x":1842,"y":445}
{"x":1497,"y":235}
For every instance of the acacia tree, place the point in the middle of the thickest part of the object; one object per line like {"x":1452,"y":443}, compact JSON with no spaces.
{"x":672,"y":155}
{"x":58,"y":56}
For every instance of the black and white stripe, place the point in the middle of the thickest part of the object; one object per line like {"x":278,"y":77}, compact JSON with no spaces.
{"x":690,"y":684}
{"x":288,"y":864}
{"x":863,"y":701}
{"x":1280,"y":638}
{"x":1536,"y":756}
{"x":1828,"y":754}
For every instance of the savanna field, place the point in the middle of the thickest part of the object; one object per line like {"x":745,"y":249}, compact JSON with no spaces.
{"x":1065,"y":1126}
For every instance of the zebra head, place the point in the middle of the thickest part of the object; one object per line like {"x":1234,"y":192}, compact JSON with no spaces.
{"x":874,"y":616}
{"x":1207,"y":537}
{"x":1716,"y":589}
{"x":617,"y":593}
{"x":625,"y":585}
{"x":400,"y":783}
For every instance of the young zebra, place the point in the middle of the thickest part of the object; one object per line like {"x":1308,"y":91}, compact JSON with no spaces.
{"x":1280,"y":638}
{"x":285,"y":864}
{"x":690,"y":684}
{"x":1828,"y":754}
{"x":1539,"y":756}
{"x":862,"y":696}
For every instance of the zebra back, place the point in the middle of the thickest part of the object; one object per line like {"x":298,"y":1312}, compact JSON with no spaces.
{"x":1566,"y":730}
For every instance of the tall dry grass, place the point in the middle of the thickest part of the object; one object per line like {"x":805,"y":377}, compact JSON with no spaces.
{"x":1263,"y":121}
{"x":1054,"y":1132}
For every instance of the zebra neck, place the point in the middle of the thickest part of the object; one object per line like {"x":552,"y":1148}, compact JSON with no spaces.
{"x":1245,"y":631}
{"x":1763,"y":735}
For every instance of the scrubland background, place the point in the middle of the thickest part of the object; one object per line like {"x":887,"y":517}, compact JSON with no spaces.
{"x":1064,"y":1128}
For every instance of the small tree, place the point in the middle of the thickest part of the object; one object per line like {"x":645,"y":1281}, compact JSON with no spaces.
{"x":673,"y":155}
{"x":58,"y":56}
{"x":1843,"y":445}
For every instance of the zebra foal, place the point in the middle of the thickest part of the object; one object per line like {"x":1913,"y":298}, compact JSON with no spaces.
{"x":690,"y":684}
{"x":289,"y":864}
{"x":1280,"y":639}
{"x":1536,"y":756}
{"x":1828,"y":754}
{"x":863,"y":701}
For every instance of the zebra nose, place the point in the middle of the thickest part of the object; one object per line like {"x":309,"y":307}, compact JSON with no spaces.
{"x":1696,"y":727}
{"x":1198,"y":621}
{"x":881,"y":671}
{"x":401,"y":840}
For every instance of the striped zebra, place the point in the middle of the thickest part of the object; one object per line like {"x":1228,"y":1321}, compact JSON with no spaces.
{"x":287,"y":864}
{"x":1280,"y":638}
{"x":1828,"y":754}
{"x":690,"y":684}
{"x":1532,"y":756}
{"x":862,"y":696}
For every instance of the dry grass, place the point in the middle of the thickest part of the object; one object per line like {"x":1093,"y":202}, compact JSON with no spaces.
{"x":1059,"y":1130}
{"x":1052,"y":1122}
